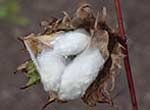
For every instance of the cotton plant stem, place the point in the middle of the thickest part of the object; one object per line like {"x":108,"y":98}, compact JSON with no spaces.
{"x":126,"y":59}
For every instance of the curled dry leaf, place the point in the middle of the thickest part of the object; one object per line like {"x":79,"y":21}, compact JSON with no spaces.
{"x":106,"y":39}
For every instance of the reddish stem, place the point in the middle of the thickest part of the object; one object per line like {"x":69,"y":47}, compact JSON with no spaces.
{"x":126,"y":59}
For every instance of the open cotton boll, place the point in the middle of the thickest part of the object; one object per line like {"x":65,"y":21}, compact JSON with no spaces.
{"x":80,"y":74}
{"x":71,"y":43}
{"x":51,"y":68}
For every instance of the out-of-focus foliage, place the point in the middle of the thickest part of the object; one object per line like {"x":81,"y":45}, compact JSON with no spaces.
{"x":10,"y":12}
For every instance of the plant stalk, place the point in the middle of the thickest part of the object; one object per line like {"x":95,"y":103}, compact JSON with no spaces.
{"x":126,"y":59}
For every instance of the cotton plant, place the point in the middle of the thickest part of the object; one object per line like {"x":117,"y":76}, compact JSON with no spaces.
{"x":75,"y":57}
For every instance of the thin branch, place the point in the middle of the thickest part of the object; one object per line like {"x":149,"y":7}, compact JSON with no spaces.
{"x":126,"y":59}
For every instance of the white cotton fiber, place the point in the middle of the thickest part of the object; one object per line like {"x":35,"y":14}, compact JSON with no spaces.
{"x":80,"y":74}
{"x":71,"y":43}
{"x":51,"y":69}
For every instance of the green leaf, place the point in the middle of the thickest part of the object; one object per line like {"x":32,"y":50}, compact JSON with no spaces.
{"x":22,"y":21}
{"x":10,"y":11}
{"x":3,"y":12}
{"x":32,"y":74}
{"x":14,"y":7}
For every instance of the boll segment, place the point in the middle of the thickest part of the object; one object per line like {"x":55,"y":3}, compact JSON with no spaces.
{"x":51,"y":67}
{"x":80,"y":73}
{"x":47,"y":63}
{"x":71,"y":43}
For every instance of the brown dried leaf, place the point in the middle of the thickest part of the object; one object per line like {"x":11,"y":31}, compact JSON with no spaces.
{"x":32,"y":42}
{"x":22,"y":66}
{"x":84,"y":17}
{"x":100,"y":40}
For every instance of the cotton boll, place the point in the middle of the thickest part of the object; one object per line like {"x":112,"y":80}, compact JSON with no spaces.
{"x":80,"y":74}
{"x":51,"y":69}
{"x":71,"y":43}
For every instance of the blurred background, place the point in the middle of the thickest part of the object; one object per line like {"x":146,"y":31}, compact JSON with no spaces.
{"x":20,"y":17}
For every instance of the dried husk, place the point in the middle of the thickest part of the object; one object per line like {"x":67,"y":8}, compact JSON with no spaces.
{"x":106,"y":39}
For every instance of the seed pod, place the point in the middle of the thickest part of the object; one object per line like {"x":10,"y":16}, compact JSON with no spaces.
{"x":73,"y":36}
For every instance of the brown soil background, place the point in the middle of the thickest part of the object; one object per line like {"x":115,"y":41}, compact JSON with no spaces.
{"x":137,"y":20}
